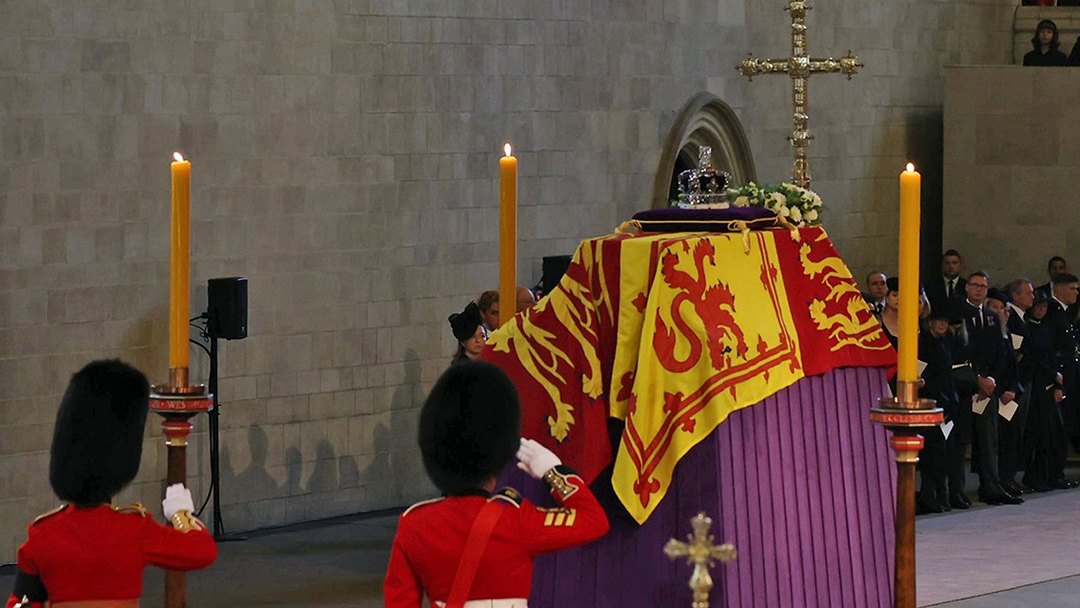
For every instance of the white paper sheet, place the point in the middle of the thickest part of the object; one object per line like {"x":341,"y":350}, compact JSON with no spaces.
{"x":1008,"y":410}
{"x":979,"y":405}
{"x":920,"y":365}
{"x":946,"y":428}
{"x":1017,"y":340}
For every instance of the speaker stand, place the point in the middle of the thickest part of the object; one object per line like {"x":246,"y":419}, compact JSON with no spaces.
{"x":215,"y":461}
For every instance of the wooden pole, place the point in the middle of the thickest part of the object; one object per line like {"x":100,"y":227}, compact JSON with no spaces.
{"x":906,"y":444}
{"x":176,"y":428}
{"x":904,"y":415}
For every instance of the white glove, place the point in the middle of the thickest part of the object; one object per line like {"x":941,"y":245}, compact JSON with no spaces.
{"x":535,"y":459}
{"x":177,"y":498}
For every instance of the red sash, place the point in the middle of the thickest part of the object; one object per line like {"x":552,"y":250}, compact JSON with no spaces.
{"x":470,"y":556}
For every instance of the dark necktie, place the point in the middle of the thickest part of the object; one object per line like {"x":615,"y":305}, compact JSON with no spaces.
{"x":949,"y":288}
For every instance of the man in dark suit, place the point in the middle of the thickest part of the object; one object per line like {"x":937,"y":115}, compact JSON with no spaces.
{"x":876,"y":290}
{"x":1066,"y":357}
{"x":1018,"y":298}
{"x":990,"y":356}
{"x":1055,"y":266}
{"x":1044,"y":438}
{"x":947,"y":291}
{"x":941,"y":461}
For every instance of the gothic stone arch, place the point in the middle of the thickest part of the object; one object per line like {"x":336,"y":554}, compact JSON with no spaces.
{"x":705,"y":120}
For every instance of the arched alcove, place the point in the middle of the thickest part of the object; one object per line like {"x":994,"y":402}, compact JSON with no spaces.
{"x":705,"y":120}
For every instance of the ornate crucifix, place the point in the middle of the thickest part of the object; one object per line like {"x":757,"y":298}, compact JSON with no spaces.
{"x":701,"y":552}
{"x":799,"y":66}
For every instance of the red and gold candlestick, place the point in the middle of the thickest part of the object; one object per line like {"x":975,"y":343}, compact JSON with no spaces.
{"x":906,"y":413}
{"x":178,"y":401}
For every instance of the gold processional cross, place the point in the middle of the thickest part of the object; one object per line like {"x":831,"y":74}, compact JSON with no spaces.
{"x":799,"y":66}
{"x":701,"y":552}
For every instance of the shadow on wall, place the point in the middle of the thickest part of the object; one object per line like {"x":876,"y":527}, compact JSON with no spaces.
{"x":395,"y":457}
{"x":383,"y":471}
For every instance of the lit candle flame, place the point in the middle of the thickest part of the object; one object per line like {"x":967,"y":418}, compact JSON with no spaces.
{"x":180,"y":157}
{"x":506,"y":149}
{"x":910,"y":167}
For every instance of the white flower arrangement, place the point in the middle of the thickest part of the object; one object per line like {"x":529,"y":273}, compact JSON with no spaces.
{"x":800,"y":206}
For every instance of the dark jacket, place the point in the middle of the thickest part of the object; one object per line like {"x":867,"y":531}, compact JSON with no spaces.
{"x":936,"y":294}
{"x":1053,"y":57}
{"x":1017,"y":327}
{"x":937,"y":376}
{"x":988,"y":350}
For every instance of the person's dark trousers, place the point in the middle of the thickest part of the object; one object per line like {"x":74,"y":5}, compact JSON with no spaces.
{"x":1070,"y":417}
{"x":932,"y":491}
{"x":954,"y":463}
{"x":1058,"y":441}
{"x":986,"y":436}
{"x":1044,"y":441}
{"x":1010,"y":440}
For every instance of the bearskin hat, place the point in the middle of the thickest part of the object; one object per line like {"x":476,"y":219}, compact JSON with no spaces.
{"x":97,"y":442}
{"x":470,"y":426}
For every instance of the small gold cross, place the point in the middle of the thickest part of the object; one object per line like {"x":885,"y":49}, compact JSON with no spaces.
{"x":701,"y":552}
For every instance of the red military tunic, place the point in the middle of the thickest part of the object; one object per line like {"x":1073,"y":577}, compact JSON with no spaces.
{"x":431,"y":536}
{"x":98,"y":553}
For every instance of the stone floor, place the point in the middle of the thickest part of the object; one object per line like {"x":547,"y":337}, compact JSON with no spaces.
{"x":991,"y":557}
{"x":987,"y":557}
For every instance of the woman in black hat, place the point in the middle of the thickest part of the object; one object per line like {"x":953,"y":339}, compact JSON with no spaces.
{"x":88,"y":551}
{"x":468,"y":328}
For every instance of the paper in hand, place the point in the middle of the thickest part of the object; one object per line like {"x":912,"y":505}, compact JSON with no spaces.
{"x":1017,"y":340}
{"x":946,"y":428}
{"x":1008,"y":410}
{"x":979,"y":405}
{"x":920,"y":365}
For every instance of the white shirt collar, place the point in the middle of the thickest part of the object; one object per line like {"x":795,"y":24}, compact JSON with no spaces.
{"x":1017,"y":309}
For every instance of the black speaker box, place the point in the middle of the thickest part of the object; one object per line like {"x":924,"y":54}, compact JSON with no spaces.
{"x":226,"y":305}
{"x":554,"y":268}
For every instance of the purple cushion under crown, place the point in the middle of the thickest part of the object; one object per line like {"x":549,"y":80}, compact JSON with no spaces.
{"x":678,"y":219}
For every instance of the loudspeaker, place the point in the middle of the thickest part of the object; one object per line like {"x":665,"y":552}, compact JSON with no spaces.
{"x":554,"y":268}
{"x":226,"y":306}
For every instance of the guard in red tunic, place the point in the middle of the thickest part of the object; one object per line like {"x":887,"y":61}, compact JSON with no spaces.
{"x":88,"y":550}
{"x":471,"y":547}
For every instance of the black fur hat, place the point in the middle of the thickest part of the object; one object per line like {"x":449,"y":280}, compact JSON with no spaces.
{"x":470,"y":426}
{"x":464,"y":323}
{"x":97,"y":442}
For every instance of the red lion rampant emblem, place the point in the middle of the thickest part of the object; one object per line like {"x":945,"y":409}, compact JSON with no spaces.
{"x":714,"y":305}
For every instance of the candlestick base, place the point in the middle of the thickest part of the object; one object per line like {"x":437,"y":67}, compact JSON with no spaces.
{"x":904,"y":415}
{"x":177,"y":402}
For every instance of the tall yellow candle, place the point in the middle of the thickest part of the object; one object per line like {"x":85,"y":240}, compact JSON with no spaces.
{"x":910,"y":189}
{"x":180,"y":252}
{"x":507,"y":236}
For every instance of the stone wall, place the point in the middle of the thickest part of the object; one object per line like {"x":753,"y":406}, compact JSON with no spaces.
{"x":344,"y":154}
{"x":1012,"y":147}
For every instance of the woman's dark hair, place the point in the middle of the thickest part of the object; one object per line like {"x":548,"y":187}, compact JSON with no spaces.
{"x":1045,"y":24}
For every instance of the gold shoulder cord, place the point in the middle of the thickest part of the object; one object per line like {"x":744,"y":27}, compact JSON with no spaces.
{"x":561,"y":483}
{"x":186,"y":522}
{"x":134,"y":508}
